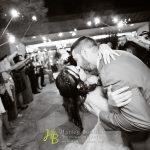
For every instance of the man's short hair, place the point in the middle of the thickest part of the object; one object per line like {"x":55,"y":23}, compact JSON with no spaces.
{"x":81,"y":41}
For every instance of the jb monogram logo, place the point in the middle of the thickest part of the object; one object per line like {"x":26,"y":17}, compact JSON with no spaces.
{"x":52,"y":135}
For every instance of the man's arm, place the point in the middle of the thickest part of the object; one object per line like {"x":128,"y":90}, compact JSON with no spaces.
{"x":135,"y":116}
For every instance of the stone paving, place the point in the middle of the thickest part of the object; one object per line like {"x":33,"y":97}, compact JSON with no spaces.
{"x":45,"y":112}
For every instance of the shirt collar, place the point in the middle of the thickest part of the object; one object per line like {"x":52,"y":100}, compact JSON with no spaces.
{"x":100,"y":64}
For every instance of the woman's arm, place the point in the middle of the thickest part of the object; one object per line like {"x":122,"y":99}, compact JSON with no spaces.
{"x":20,"y":64}
{"x":118,"y":98}
{"x":143,"y":40}
{"x":140,"y":41}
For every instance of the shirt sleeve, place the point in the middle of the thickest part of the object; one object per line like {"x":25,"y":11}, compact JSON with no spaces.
{"x":135,"y":116}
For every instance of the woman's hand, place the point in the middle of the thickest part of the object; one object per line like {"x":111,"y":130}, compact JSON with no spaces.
{"x":120,"y":97}
{"x":140,"y":40}
{"x":107,"y":53}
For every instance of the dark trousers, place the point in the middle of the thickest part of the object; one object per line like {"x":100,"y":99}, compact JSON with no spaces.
{"x":42,"y":76}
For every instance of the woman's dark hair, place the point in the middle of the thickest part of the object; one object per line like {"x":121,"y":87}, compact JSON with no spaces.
{"x":74,"y":93}
{"x":16,"y":59}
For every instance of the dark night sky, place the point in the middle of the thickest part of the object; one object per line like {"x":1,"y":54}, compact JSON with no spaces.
{"x":69,"y":7}
{"x":66,"y":7}
{"x":62,"y":10}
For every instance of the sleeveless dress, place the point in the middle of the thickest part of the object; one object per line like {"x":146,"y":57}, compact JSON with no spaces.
{"x":99,"y":139}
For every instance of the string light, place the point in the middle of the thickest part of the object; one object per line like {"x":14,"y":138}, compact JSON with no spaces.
{"x":34,"y":18}
{"x":11,"y":38}
{"x":89,"y":23}
{"x":115,"y":20}
{"x":60,"y":34}
{"x":14,"y":13}
{"x":33,"y":37}
{"x":131,"y":25}
{"x":74,"y":34}
{"x":49,"y":40}
{"x":96,"y":20}
{"x":75,"y":29}
{"x":120,"y":24}
{"x":44,"y":38}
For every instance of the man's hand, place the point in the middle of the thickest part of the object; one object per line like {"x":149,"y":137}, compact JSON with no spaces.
{"x":120,"y":97}
{"x":107,"y":53}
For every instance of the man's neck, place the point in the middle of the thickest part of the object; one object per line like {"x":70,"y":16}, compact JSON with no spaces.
{"x":99,"y":58}
{"x":100,"y":63}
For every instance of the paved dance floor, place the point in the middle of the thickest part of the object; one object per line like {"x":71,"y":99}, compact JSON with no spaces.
{"x":45,"y":126}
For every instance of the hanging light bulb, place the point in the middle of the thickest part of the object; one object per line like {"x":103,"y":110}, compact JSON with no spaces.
{"x":60,"y":34}
{"x":34,"y":18}
{"x":120,"y":24}
{"x":14,"y":13}
{"x":131,"y":25}
{"x":115,"y":20}
{"x":75,"y":29}
{"x":73,"y":33}
{"x":11,"y":38}
{"x":96,"y":20}
{"x":89,"y":23}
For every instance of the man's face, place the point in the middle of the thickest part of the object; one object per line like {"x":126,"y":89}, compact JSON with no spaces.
{"x":86,"y":59}
{"x":77,"y":72}
{"x":80,"y":61}
{"x":122,"y":40}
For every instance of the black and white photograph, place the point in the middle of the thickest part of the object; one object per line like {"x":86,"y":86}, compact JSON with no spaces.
{"x":74,"y":75}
